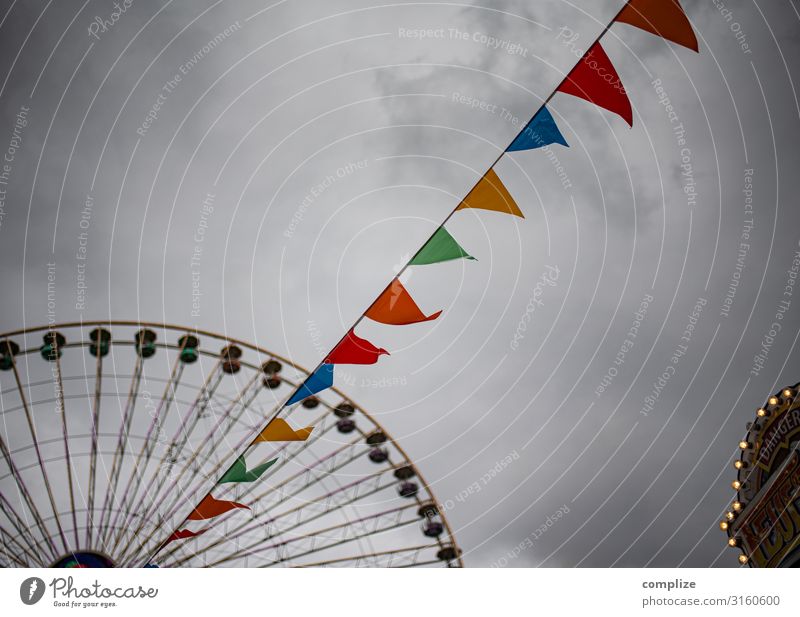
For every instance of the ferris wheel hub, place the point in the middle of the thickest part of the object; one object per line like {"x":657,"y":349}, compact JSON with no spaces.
{"x":84,"y":559}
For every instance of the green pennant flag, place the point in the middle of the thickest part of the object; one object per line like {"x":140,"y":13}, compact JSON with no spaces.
{"x":238,"y":471}
{"x":441,"y":247}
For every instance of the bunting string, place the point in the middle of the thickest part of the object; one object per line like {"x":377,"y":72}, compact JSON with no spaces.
{"x":594,"y":79}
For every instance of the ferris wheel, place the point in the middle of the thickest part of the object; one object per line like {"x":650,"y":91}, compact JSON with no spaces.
{"x":108,"y":426}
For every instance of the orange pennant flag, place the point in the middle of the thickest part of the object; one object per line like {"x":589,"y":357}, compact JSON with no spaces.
{"x":396,"y":307}
{"x":664,"y":18}
{"x":210,"y":507}
{"x":491,"y":194}
{"x":279,"y":430}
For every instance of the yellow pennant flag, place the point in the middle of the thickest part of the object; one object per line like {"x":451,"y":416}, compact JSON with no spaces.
{"x":490,"y":194}
{"x":279,"y":430}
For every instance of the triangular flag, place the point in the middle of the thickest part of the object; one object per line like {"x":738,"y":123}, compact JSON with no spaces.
{"x":664,"y":18}
{"x":490,"y":194}
{"x":319,"y":380}
{"x":595,"y":79}
{"x":182,"y":534}
{"x":355,"y":350}
{"x":396,"y":307}
{"x":238,"y":471}
{"x":210,"y":507}
{"x":541,"y":131}
{"x":279,"y":430}
{"x":441,"y":247}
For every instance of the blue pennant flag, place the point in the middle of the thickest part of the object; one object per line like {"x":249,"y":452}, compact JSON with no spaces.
{"x":540,"y":132}
{"x":319,"y":380}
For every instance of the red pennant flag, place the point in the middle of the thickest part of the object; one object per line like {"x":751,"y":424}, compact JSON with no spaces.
{"x":210,"y":507}
{"x":355,"y":350}
{"x":595,"y":79}
{"x":396,"y":307}
{"x":664,"y":18}
{"x":182,"y":534}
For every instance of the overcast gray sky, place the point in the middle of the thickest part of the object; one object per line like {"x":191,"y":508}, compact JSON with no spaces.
{"x":337,"y":101}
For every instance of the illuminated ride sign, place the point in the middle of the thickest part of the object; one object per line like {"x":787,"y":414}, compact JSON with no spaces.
{"x":764,"y":520}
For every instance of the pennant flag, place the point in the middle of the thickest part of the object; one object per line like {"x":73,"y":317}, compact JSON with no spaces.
{"x":595,"y":79}
{"x":490,"y":194}
{"x":279,"y":430}
{"x":182,"y":534}
{"x":319,"y":380}
{"x":441,"y":247}
{"x":238,"y":471}
{"x":541,"y":131}
{"x":355,"y":350}
{"x":210,"y":507}
{"x":396,"y":307}
{"x":664,"y":18}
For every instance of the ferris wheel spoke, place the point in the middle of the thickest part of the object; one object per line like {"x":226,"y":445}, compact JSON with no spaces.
{"x":286,"y":482}
{"x":393,"y":521}
{"x":282,"y":462}
{"x":219,"y":466}
{"x":332,"y":466}
{"x":154,"y":434}
{"x":22,"y":534}
{"x":398,"y":524}
{"x":191,"y":463}
{"x":65,"y":433}
{"x":7,"y":540}
{"x":17,"y":523}
{"x":315,"y":542}
{"x":254,"y":388}
{"x":122,"y":441}
{"x":360,"y":529}
{"x":323,"y":505}
{"x":27,"y":549}
{"x":294,"y":452}
{"x":23,"y":490}
{"x":310,"y":477}
{"x":217,"y":434}
{"x":331,"y":463}
{"x":35,"y":465}
{"x":192,"y":417}
{"x":90,"y":522}
{"x":413,"y":551}
{"x":181,"y":436}
{"x":208,"y":443}
{"x":343,"y":496}
{"x":306,"y":471}
{"x":119,"y":452}
{"x":215,"y":437}
{"x":157,"y":422}
{"x":45,"y":476}
{"x":103,"y":548}
{"x":285,"y":448}
{"x":206,"y":392}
